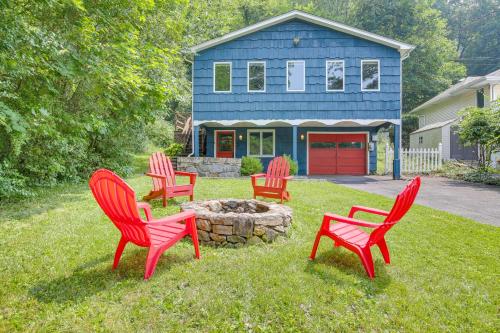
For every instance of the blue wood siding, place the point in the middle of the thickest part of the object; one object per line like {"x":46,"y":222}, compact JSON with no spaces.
{"x":274,"y":46}
{"x":283,"y":143}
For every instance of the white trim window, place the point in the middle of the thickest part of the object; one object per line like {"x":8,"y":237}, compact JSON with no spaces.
{"x":256,"y":76}
{"x":335,"y":75}
{"x":370,"y":75}
{"x":222,"y":77}
{"x":295,"y":75}
{"x":421,"y":121}
{"x":261,"y":143}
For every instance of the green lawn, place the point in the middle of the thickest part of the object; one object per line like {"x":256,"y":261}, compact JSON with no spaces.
{"x":56,"y":253}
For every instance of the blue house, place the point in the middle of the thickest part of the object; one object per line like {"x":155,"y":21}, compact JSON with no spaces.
{"x":300,"y":85}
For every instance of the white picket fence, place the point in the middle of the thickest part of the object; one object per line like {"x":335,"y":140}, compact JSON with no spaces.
{"x":415,"y":160}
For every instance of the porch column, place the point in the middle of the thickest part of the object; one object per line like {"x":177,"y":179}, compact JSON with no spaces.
{"x":396,"y":164}
{"x":196,"y":141}
{"x":294,"y":142}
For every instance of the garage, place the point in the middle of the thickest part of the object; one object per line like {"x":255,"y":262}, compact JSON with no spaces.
{"x":337,"y":154}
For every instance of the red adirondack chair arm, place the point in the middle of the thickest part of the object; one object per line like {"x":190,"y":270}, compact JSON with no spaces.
{"x":330,"y":216}
{"x":258,"y":175}
{"x":147,"y":210}
{"x":376,"y":211}
{"x":174,"y":218}
{"x":288,"y":178}
{"x":191,"y":175}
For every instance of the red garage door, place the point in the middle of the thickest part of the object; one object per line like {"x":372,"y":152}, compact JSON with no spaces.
{"x":341,"y":154}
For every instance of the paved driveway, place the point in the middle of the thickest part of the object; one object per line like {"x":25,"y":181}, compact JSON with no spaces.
{"x":475,"y":201}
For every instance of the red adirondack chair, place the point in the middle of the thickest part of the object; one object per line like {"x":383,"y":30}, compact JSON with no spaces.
{"x":275,"y":180}
{"x":164,"y":185}
{"x":347,"y":234}
{"x":117,"y":200}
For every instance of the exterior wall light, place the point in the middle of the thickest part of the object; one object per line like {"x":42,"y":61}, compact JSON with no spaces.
{"x":302,"y":137}
{"x":296,"y":41}
{"x":240,"y":137}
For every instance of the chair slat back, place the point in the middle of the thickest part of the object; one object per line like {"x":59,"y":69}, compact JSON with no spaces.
{"x":277,"y":169}
{"x":403,"y":203}
{"x":117,"y":199}
{"x":161,"y":165}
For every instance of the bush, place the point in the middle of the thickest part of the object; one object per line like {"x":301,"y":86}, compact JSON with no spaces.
{"x":294,"y":166}
{"x":463,"y":171}
{"x":175,"y":149}
{"x":250,"y":166}
{"x":160,"y":133}
{"x":12,"y":184}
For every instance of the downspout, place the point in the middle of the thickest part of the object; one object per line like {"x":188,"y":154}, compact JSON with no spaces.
{"x":192,"y":106}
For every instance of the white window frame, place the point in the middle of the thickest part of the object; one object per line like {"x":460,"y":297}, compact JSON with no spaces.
{"x":379,"y":74}
{"x":248,"y":76}
{"x":343,"y":75}
{"x":286,"y":82}
{"x":230,"y":77}
{"x":260,"y":150}
{"x":421,"y":122}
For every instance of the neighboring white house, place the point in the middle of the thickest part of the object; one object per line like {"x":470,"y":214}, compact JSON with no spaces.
{"x":438,"y":115}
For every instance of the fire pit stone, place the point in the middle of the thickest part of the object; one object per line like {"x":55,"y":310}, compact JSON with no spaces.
{"x":235,"y":222}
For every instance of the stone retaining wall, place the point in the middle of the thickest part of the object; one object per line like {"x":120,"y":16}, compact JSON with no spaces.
{"x":210,"y":166}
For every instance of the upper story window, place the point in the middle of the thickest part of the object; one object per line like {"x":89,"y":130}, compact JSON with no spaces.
{"x":295,"y":75}
{"x":222,"y":76}
{"x":260,"y":143}
{"x":421,"y":121}
{"x":335,"y":75}
{"x":370,"y":75}
{"x":257,"y":76}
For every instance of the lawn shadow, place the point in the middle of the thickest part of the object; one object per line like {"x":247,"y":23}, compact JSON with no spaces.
{"x":348,"y":263}
{"x":44,"y":199}
{"x":97,"y":276}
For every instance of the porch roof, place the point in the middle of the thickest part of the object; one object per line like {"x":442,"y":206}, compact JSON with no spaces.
{"x":297,"y":122}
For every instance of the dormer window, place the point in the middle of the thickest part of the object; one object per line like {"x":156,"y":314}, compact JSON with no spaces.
{"x":370,"y":75}
{"x":222,"y":77}
{"x":295,"y":75}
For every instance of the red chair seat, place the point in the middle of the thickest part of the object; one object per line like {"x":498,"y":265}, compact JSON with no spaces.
{"x":164,"y":233}
{"x":350,"y":233}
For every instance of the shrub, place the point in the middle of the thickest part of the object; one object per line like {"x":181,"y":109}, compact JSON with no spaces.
{"x":12,"y":184}
{"x":175,"y":149}
{"x":294,"y":166}
{"x":250,"y":166}
{"x":160,"y":133}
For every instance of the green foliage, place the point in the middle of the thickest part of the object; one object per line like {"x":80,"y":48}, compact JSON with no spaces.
{"x":12,"y":184}
{"x":294,"y":166}
{"x":79,"y":82}
{"x":481,"y":127}
{"x":160,"y":133}
{"x":475,"y":25}
{"x":175,"y":149}
{"x":250,"y":166}
{"x":467,"y":172}
{"x":409,"y":124}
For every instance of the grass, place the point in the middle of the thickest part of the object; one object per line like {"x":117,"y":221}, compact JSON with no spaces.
{"x":56,"y":253}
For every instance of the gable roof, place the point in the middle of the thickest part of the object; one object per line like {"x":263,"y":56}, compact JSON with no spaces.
{"x":470,"y":82}
{"x":433,"y":126}
{"x":403,"y":48}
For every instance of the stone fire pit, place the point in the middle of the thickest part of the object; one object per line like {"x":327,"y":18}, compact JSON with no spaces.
{"x":233,"y":222}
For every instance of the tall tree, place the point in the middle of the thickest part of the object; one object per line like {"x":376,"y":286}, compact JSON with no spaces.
{"x":475,"y":25}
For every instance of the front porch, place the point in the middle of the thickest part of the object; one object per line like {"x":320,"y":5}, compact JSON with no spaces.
{"x":318,"y":150}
